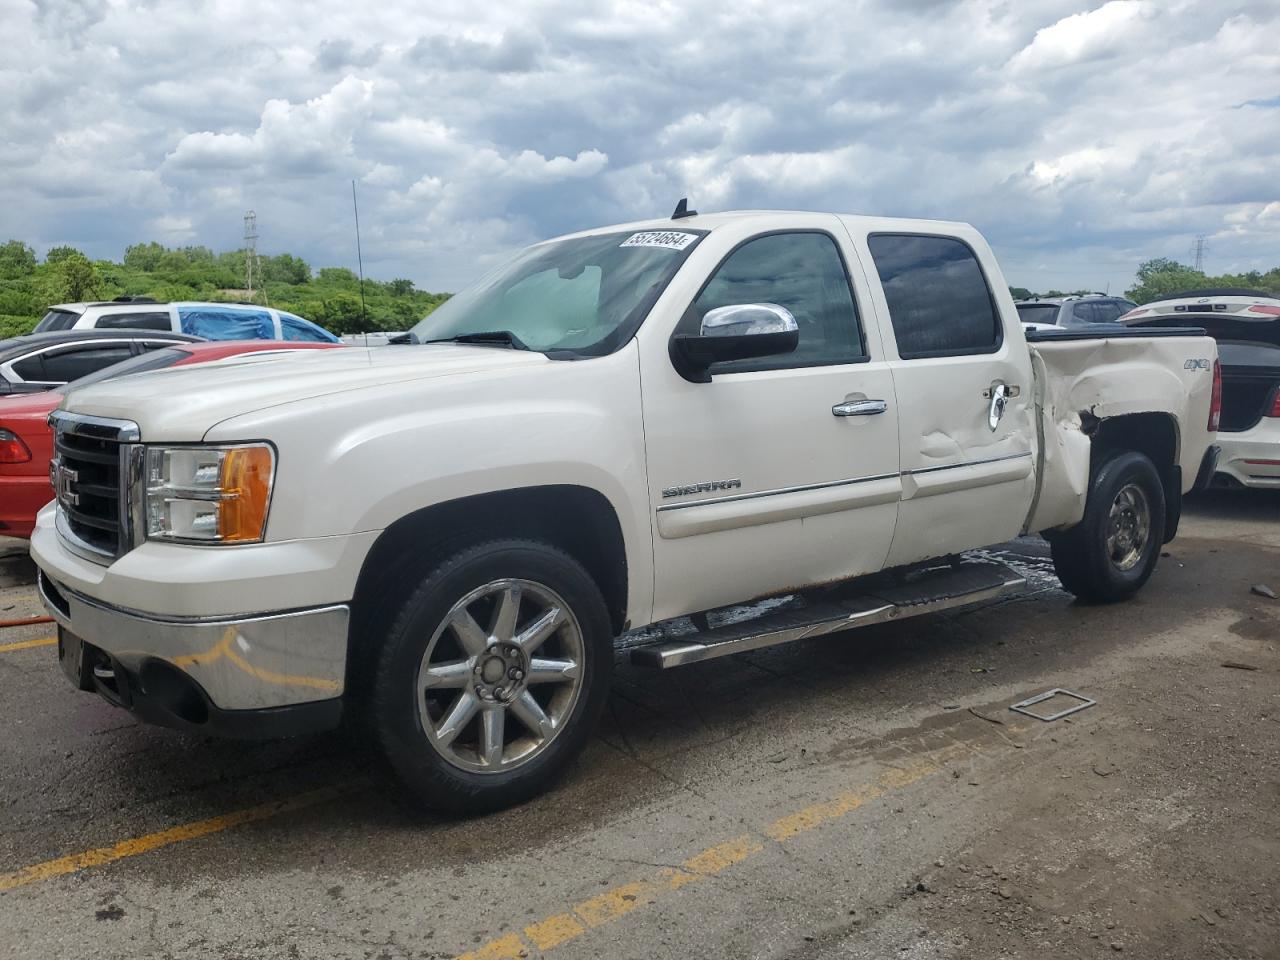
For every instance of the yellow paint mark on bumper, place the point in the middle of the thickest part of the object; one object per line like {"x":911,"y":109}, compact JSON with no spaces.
{"x":153,"y":841}
{"x":28,"y":644}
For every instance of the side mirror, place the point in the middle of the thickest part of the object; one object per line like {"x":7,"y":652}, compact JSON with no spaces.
{"x":739,"y":331}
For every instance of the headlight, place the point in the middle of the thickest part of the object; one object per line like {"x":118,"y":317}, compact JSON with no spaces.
{"x":209,"y":494}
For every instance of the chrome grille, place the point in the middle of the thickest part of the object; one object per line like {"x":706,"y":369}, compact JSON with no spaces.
{"x":90,"y":474}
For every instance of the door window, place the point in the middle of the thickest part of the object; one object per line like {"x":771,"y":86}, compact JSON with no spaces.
{"x":1084,"y":312}
{"x":800,"y":271}
{"x":64,"y":366}
{"x":227,"y":323}
{"x":939,"y":301}
{"x":302,"y":331}
{"x":150,"y":320}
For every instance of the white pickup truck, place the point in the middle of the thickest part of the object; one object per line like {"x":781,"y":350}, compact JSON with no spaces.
{"x":631,"y":426}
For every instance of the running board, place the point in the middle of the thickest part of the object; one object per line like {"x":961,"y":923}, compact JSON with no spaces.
{"x":865,"y":602}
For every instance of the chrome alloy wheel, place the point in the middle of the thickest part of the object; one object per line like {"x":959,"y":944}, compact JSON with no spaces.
{"x":492,"y":698}
{"x":1128,"y":527}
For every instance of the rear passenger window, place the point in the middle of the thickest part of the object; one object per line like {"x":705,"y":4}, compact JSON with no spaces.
{"x":226,"y":323}
{"x":64,"y":366}
{"x":939,"y":302}
{"x":800,"y":271}
{"x":151,"y":320}
{"x":1085,"y":312}
{"x":301,"y":331}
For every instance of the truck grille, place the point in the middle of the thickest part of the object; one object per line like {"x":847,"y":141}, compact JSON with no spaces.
{"x":90,"y":477}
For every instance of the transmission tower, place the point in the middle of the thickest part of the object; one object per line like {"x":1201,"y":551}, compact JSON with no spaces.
{"x":250,"y":250}
{"x":1201,"y":246}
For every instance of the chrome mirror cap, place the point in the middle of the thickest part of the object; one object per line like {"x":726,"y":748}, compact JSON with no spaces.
{"x":748,"y":319}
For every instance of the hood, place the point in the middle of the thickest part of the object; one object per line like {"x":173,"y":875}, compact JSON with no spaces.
{"x":184,"y":401}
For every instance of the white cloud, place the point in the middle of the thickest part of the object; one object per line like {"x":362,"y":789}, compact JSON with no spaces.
{"x":1081,"y":136}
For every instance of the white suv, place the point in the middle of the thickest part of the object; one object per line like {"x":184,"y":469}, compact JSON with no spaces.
{"x":212,"y":321}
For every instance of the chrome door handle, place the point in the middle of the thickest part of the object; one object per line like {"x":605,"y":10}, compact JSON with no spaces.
{"x":859,"y":408}
{"x":999,"y":400}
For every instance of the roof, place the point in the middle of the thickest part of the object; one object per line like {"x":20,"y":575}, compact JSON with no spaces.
{"x":1217,"y":292}
{"x":54,"y":337}
{"x":711,"y":221}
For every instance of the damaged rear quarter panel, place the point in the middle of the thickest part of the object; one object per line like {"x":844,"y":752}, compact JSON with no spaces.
{"x":1107,"y":378}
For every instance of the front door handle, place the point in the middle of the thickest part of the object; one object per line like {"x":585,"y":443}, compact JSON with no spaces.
{"x":859,"y":408}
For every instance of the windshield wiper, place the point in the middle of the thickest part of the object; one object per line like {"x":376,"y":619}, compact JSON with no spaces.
{"x":488,"y":338}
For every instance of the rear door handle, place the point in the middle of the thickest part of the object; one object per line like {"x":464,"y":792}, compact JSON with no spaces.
{"x":859,"y":408}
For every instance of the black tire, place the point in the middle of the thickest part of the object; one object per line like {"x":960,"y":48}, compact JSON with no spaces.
{"x":392,"y":706}
{"x":1081,"y":556}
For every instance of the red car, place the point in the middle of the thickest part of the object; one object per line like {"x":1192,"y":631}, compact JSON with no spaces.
{"x":26,"y":442}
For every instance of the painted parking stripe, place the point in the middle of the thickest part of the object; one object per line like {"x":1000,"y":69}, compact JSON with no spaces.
{"x":28,"y":644}
{"x":136,"y":846}
{"x":547,"y":934}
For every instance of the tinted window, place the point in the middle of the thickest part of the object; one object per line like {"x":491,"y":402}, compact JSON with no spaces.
{"x":30,"y":368}
{"x":57,"y":320}
{"x":939,"y":303}
{"x":1038,"y":312}
{"x":63,"y":366}
{"x":1108,"y":311}
{"x":299,"y":330}
{"x":1084,"y":312}
{"x":800,"y":271}
{"x":151,"y":320}
{"x":155,"y":360}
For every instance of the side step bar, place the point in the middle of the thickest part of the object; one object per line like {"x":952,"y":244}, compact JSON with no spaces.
{"x":864,"y":602}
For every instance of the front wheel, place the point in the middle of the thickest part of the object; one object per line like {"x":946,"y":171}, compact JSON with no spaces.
{"x":1113,"y":550}
{"x":492,"y":675}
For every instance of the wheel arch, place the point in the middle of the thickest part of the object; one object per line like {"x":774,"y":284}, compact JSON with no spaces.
{"x":1154,"y":434}
{"x":576,"y":519}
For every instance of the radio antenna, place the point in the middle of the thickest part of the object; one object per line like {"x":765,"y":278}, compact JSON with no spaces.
{"x":355,"y":208}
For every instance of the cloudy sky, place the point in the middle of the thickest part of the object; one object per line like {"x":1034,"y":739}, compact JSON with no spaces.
{"x":1081,"y":137}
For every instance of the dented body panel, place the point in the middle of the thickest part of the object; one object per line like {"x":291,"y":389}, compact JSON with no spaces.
{"x":1081,"y":383}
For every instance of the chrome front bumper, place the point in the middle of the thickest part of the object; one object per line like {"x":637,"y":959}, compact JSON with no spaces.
{"x":267,"y":660}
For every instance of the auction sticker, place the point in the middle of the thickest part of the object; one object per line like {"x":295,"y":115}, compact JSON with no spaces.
{"x":670,"y":239}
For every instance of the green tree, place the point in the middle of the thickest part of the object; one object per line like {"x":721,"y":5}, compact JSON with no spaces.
{"x":343,"y":314}
{"x":58,"y":254}
{"x":1160,"y":277}
{"x":337,"y":275}
{"x":286,"y":268}
{"x":73,"y":278}
{"x":144,"y":256}
{"x":400,"y":287}
{"x":16,"y":260}
{"x":1020,"y":293}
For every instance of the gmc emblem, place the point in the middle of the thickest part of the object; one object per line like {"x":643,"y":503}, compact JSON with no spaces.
{"x":63,"y":481}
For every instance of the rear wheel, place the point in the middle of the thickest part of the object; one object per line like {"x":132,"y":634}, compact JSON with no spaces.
{"x":492,"y":675}
{"x":1112,"y":552}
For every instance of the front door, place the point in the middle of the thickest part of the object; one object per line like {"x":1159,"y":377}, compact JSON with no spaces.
{"x":966,"y":407}
{"x":774,"y":475}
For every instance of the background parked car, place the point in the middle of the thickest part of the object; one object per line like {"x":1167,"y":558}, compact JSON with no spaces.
{"x":26,"y":442}
{"x":1076,"y":311}
{"x":213,"y":321}
{"x":41,"y":361}
{"x":1246,"y":324}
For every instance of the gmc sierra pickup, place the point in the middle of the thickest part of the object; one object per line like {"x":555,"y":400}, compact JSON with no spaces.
{"x":630,"y":426}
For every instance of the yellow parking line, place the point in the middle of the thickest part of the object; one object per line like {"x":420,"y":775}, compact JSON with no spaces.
{"x":28,"y":644}
{"x":560,"y":928}
{"x":153,"y":841}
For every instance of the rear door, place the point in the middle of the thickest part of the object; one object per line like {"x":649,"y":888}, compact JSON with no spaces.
{"x":962,"y":373}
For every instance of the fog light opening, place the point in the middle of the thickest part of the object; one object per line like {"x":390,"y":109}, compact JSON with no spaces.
{"x":172,"y":690}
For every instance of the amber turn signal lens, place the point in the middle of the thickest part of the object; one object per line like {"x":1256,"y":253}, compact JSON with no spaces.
{"x":245,"y":484}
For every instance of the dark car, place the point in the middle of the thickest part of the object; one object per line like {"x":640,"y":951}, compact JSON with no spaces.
{"x":1076,"y":311}
{"x":42,"y":361}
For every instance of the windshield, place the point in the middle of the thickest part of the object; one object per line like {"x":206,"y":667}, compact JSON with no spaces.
{"x":585,"y":296}
{"x":1038,"y":312}
{"x":57,"y":320}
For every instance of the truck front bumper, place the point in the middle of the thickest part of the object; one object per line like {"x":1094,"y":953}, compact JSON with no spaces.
{"x":274,"y":674}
